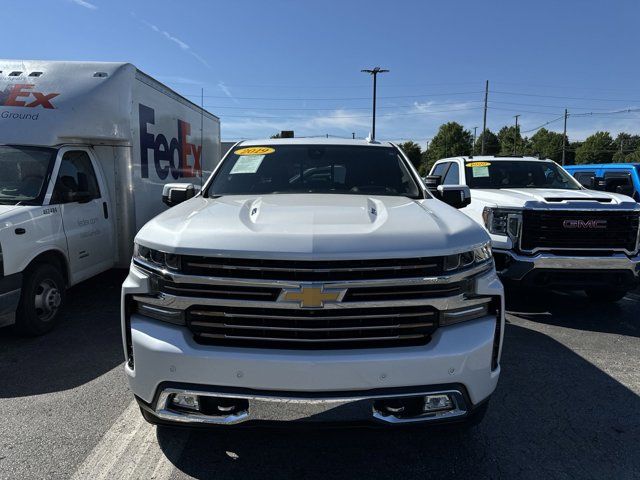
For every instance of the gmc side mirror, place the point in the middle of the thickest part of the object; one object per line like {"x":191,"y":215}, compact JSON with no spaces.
{"x":432,"y":182}
{"x":458,"y":196}
{"x":175,"y":193}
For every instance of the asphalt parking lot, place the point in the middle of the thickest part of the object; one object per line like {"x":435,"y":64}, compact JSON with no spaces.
{"x":567,"y":406}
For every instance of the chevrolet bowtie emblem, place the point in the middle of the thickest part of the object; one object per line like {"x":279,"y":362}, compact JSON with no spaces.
{"x":311,"y":296}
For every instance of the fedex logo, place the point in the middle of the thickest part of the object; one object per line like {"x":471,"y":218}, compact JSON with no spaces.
{"x":164,"y":151}
{"x":23,"y":95}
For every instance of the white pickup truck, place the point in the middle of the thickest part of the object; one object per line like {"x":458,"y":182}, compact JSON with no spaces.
{"x":546,"y":229}
{"x":313,"y":280}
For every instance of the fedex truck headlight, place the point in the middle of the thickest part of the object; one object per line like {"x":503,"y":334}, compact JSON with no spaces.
{"x":502,"y":221}
{"x":162,"y":260}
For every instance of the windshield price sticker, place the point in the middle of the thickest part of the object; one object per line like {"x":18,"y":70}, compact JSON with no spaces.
{"x":255,"y":151}
{"x":247,"y":164}
{"x":479,"y":164}
{"x":480,"y":172}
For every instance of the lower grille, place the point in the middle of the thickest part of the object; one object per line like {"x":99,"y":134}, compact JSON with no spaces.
{"x":570,"y":229}
{"x":312,"y":329}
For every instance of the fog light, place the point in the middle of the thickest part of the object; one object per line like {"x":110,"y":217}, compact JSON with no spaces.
{"x":435,"y":403}
{"x":184,"y":400}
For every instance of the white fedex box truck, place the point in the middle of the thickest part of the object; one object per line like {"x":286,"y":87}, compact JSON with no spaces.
{"x":85,"y":152}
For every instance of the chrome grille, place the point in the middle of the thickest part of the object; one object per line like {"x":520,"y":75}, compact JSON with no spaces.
{"x":317,"y":328}
{"x":312,"y":271}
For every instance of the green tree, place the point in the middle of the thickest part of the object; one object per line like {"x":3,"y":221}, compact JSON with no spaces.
{"x":491,"y":144}
{"x":450,"y":141}
{"x":627,"y":148}
{"x":598,"y":148}
{"x":546,"y":144}
{"x":506,"y":137}
{"x":413,"y":151}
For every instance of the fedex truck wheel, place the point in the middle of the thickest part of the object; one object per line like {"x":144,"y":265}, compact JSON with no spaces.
{"x":43,"y":293}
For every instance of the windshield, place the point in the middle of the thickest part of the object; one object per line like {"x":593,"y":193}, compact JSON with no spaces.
{"x":331,"y":169}
{"x":518,"y":174}
{"x":23,"y":171}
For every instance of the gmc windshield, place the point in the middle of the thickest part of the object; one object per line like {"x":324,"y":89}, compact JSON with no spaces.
{"x":518,"y":174}
{"x":23,"y":171}
{"x":335,"y":169}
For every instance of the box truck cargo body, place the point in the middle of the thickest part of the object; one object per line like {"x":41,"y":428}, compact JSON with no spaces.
{"x":86,"y":149}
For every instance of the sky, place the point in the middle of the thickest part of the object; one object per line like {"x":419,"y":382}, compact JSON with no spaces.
{"x":266,"y":66}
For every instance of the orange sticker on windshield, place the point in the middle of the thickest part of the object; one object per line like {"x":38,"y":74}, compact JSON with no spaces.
{"x":478,"y":164}
{"x":255,"y":151}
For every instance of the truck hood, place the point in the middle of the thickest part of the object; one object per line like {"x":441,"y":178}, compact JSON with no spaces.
{"x":312,"y":226}
{"x":534,"y":197}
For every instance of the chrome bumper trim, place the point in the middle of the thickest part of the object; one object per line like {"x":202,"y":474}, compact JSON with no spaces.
{"x":522,"y":264}
{"x":265,"y":408}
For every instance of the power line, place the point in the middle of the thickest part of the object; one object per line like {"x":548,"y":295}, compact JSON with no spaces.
{"x":235,"y":107}
{"x":354,"y":116}
{"x":303,"y":99}
{"x":565,"y":97}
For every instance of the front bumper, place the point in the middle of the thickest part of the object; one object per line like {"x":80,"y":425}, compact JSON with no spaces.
{"x":265,"y":408}
{"x":166,"y":358}
{"x":551,"y":270}
{"x":10,"y":290}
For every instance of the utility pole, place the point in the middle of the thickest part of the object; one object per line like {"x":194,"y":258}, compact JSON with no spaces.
{"x":564,"y":136}
{"x":353,"y":135}
{"x":484,"y":122}
{"x":515,"y":137}
{"x":375,"y":71}
{"x":474,"y":140}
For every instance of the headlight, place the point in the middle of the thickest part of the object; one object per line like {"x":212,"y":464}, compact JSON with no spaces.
{"x":502,"y":221}
{"x":157,"y":258}
{"x":477,"y":256}
{"x":164,"y":314}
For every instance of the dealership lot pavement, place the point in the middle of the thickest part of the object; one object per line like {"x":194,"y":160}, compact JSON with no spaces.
{"x":567,"y":406}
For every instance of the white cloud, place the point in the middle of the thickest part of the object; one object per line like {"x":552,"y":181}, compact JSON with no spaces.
{"x":224,"y":89}
{"x":85,"y":4}
{"x":183,"y":45}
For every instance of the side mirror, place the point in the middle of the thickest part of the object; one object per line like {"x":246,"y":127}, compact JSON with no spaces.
{"x":627,"y":190}
{"x":175,"y":193}
{"x":432,"y":182}
{"x":458,"y":196}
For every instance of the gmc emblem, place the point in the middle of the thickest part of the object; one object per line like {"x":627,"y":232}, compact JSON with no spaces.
{"x":590,"y":224}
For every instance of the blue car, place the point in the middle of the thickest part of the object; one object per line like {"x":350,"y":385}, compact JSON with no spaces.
{"x":609,"y":177}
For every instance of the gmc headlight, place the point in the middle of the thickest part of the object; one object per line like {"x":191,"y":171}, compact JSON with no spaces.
{"x":502,"y":221}
{"x":162,"y":260}
{"x":477,"y":256}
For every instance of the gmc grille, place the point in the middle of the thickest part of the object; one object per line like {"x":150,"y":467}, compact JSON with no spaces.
{"x":570,"y":229}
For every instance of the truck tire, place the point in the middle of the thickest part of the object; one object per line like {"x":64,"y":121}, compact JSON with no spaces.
{"x":43,"y":292}
{"x":605,"y":295}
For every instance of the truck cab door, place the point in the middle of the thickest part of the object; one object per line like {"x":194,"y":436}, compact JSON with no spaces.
{"x":81,"y":195}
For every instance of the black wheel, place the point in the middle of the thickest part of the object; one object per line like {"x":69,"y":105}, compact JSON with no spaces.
{"x":605,"y":295}
{"x":43,"y":292}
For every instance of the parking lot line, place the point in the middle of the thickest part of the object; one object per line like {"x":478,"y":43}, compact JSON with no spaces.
{"x":128,"y":450}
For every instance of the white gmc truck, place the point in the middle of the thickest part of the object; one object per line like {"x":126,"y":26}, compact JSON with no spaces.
{"x":313,"y":280}
{"x":86,"y":149}
{"x":546,"y":229}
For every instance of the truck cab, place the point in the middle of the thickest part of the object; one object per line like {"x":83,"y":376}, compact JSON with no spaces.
{"x":56,"y":228}
{"x":316,"y":273}
{"x":547,"y":230}
{"x":621,"y":178}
